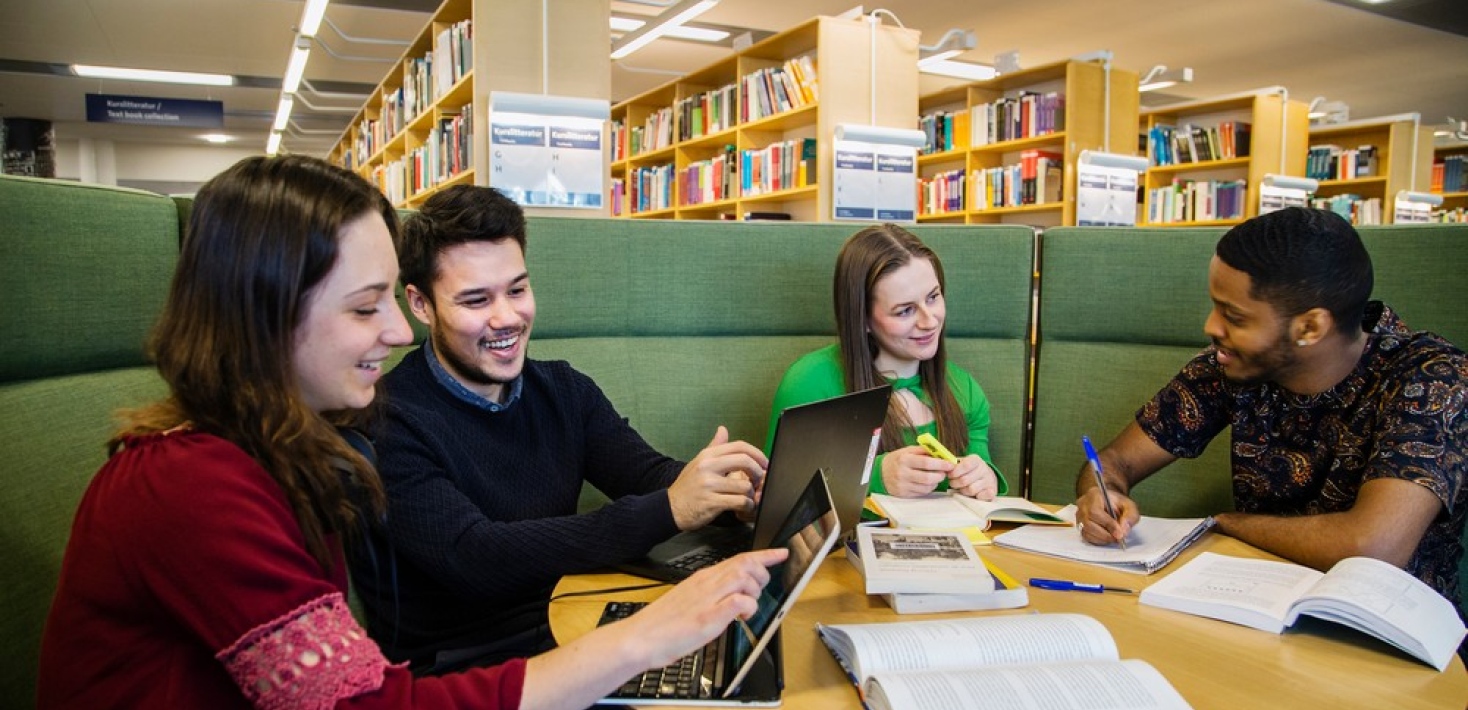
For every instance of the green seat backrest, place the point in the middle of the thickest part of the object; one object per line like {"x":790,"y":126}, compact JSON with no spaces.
{"x":1121,"y":310}
{"x":87,"y":269}
{"x":688,"y":325}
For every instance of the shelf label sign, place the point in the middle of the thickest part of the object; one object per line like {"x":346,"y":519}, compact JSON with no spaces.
{"x":1412,"y":212}
{"x":546,"y":151}
{"x":1273,"y":198}
{"x":148,"y":111}
{"x":1105,"y":196}
{"x":874,"y":181}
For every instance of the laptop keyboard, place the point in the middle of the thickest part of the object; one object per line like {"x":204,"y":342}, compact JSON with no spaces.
{"x":682,"y":678}
{"x":705,"y":557}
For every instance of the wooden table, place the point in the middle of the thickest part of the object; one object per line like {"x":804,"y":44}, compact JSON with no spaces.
{"x":1213,"y":664}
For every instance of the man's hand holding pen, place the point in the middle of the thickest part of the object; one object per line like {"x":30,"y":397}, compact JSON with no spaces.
{"x":1103,"y":514}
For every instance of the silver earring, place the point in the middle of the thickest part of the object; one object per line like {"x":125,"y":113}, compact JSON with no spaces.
{"x":1302,"y":342}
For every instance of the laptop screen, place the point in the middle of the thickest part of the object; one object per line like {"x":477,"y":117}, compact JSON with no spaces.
{"x":808,"y":532}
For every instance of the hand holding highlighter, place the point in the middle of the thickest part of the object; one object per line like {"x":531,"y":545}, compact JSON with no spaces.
{"x":935,"y":448}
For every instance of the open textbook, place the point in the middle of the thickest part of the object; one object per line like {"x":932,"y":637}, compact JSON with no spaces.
{"x":1366,"y":594}
{"x":952,"y":511}
{"x":1005,"y":593}
{"x":1034,"y":661}
{"x":1151,"y":544}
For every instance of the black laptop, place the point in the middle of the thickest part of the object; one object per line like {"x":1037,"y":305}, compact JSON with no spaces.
{"x":741,"y":666}
{"x":836,"y":436}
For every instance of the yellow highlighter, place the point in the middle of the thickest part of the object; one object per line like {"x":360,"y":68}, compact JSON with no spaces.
{"x":936,"y":448}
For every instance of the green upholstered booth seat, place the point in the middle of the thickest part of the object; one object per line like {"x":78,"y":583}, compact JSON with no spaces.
{"x":1121,"y":310}
{"x":688,"y":325}
{"x":87,"y":269}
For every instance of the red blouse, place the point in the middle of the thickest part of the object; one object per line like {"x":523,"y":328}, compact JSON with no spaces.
{"x":187,"y":583}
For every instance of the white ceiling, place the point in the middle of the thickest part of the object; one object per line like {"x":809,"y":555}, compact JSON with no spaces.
{"x":1377,"y":65}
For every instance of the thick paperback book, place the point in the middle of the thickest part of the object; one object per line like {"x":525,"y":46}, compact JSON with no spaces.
{"x":1003,"y":592}
{"x":1033,"y":661}
{"x":1366,"y":594}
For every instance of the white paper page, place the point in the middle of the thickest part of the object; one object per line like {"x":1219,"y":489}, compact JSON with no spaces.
{"x":1150,"y":541}
{"x":1088,"y":685}
{"x":1009,"y":504}
{"x":935,"y":510}
{"x":977,"y":641}
{"x":1413,"y":616}
{"x":1255,"y":593}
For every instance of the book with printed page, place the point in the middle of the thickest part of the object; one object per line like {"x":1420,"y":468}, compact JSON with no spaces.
{"x":1151,"y":544}
{"x":1007,"y":593}
{"x":945,"y":511}
{"x":896,"y":561}
{"x":1030,"y":662}
{"x":1366,"y":594}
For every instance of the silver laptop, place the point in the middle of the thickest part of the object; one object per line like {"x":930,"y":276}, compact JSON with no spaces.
{"x":741,"y":666}
{"x":834,"y":435}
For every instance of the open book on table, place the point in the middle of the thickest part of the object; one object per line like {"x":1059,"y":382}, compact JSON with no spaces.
{"x":1050,"y":661}
{"x":1151,"y":544}
{"x":945,"y":511}
{"x":1000,"y":591}
{"x":1366,"y":594}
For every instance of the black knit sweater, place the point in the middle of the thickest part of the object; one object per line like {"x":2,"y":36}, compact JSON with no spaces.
{"x":482,"y":515}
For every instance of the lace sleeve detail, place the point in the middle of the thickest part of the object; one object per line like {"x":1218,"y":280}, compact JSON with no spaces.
{"x":308,"y":658}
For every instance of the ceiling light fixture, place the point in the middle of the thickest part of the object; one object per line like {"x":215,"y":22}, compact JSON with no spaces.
{"x":166,"y":77}
{"x":658,"y":26}
{"x":272,"y":144}
{"x":953,"y":43}
{"x":697,"y":34}
{"x":959,"y":70}
{"x":297,"y":66}
{"x":311,"y":17}
{"x":283,"y":113}
{"x":1160,"y":77}
{"x":216,"y":138}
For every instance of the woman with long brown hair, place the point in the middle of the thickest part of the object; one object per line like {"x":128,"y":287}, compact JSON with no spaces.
{"x":205,"y":564}
{"x":888,"y":293}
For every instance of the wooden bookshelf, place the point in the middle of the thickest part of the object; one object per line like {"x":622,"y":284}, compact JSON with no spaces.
{"x":500,"y":50}
{"x":1403,"y":160}
{"x":1278,"y":130}
{"x":1093,"y":119}
{"x":1454,"y":200}
{"x":840,"y":51}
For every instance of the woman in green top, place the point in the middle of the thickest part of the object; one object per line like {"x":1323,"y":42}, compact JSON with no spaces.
{"x":889,"y":327}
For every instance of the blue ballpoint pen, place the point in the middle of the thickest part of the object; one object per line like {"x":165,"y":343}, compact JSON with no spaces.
{"x":1061,"y":585}
{"x":1100,"y":482}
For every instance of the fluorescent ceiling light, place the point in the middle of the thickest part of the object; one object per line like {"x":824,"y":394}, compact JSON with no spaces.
{"x":659,"y":26}
{"x":283,"y":113}
{"x":216,"y":138}
{"x":699,"y":34}
{"x":1160,"y":77}
{"x":272,"y":144}
{"x":959,"y":70}
{"x":166,"y":77}
{"x":297,"y":67}
{"x":311,"y":17}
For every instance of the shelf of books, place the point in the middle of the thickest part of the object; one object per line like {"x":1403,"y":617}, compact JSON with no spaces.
{"x":1004,"y":150}
{"x":1362,"y":165}
{"x":415,"y":133}
{"x":1450,"y":179}
{"x":744,"y":137}
{"x":1209,"y":157}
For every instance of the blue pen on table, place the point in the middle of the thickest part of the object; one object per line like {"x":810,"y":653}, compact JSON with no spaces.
{"x":1061,"y":585}
{"x":1100,"y":482}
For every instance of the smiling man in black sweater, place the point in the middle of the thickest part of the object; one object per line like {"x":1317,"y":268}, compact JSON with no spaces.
{"x":483,"y":452}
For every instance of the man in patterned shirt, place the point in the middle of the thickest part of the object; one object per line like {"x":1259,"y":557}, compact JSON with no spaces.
{"x":1349,"y":430}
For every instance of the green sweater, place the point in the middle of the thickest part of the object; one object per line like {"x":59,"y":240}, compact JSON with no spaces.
{"x":818,"y":375}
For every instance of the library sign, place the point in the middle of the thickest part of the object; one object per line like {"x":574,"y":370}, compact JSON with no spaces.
{"x":875,"y":173}
{"x":546,"y":151}
{"x":148,"y":111}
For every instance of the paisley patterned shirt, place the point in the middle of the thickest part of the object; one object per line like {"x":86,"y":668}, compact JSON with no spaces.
{"x":1399,"y":414}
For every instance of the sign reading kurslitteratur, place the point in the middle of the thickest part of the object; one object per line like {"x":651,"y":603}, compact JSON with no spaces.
{"x":875,"y":174}
{"x":149,"y":111}
{"x":546,"y":151}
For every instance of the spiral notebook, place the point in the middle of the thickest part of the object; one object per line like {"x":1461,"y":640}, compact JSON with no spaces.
{"x":1151,"y":544}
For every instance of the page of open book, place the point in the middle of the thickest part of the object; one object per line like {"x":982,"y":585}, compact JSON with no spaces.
{"x":935,"y":510}
{"x":1382,"y":600}
{"x":867,"y":649}
{"x":1254,"y":593}
{"x":1079,"y":685}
